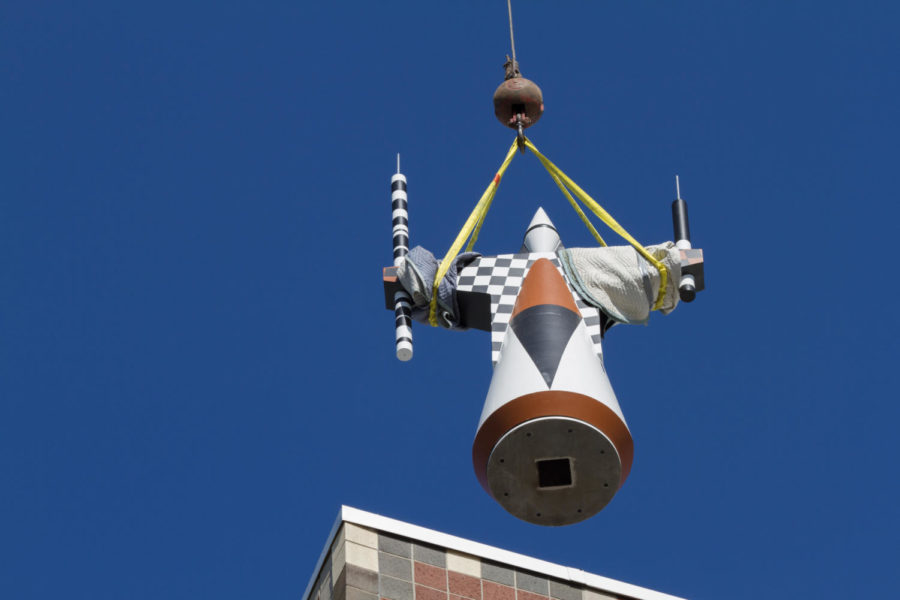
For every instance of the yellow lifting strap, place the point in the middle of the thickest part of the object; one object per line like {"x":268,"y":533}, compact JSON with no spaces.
{"x":473,"y":224}
{"x":577,"y":208}
{"x":606,"y":218}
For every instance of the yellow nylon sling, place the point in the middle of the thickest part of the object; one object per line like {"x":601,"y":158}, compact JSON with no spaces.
{"x":606,"y":218}
{"x":577,"y":208}
{"x":476,"y":220}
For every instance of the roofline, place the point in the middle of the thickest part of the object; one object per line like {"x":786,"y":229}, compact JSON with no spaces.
{"x":348,"y":514}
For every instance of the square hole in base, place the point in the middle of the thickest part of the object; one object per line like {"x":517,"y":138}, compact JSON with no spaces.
{"x":554,"y":472}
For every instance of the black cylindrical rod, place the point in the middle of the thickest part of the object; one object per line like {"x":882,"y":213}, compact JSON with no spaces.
{"x":680,"y":220}
{"x":687,"y":289}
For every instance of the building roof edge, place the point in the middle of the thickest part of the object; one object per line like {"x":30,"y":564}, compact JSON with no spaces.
{"x":363,"y":518}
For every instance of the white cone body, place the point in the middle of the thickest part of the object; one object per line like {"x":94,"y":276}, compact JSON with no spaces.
{"x":552,"y":445}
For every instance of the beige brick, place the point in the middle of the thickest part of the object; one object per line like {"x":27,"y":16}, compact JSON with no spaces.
{"x":463,"y":563}
{"x":597,"y":595}
{"x":361,"y":556}
{"x":337,"y":561}
{"x":361,"y":535}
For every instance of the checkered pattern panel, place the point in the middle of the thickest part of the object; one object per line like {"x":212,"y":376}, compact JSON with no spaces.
{"x":501,"y":276}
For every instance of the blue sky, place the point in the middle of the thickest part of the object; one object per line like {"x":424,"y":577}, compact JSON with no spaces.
{"x":196,"y":368}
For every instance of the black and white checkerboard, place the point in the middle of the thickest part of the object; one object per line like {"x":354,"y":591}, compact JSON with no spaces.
{"x":501,"y":276}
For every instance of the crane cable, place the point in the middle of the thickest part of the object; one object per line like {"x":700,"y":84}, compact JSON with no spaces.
{"x":472,"y":227}
{"x":512,"y":41}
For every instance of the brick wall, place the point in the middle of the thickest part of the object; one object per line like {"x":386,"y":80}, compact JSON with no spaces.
{"x":364,"y":564}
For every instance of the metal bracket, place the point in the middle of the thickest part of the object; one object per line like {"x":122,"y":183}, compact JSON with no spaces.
{"x":520,"y":134}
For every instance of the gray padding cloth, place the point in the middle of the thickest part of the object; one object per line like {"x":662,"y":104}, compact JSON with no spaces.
{"x":416,"y":275}
{"x":620,"y":282}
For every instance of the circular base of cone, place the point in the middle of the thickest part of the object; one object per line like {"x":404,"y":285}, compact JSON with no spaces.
{"x":554,"y":471}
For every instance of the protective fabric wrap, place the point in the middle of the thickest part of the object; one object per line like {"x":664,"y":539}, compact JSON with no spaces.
{"x":416,"y":275}
{"x":620,"y":282}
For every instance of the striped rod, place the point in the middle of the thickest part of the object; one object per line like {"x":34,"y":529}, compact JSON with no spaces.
{"x":402,"y":301}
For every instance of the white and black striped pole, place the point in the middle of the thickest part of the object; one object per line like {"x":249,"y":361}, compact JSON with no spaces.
{"x":402,"y":301}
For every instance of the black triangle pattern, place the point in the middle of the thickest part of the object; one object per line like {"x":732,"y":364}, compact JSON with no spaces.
{"x":544,"y":332}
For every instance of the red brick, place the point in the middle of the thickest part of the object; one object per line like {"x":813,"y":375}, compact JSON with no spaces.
{"x":424,"y":593}
{"x":430,"y":576}
{"x":495,"y":591}
{"x":523,"y":595}
{"x":465,"y":585}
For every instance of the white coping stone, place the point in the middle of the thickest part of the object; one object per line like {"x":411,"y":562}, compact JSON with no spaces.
{"x":463,"y":563}
{"x":375,"y":522}
{"x":360,"y":556}
{"x":361,"y":535}
{"x":592,"y":595}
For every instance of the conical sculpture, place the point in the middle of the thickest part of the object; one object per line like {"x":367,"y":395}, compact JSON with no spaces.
{"x":552,"y":446}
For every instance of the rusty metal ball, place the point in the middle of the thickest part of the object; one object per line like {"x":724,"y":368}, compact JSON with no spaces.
{"x":518,"y":96}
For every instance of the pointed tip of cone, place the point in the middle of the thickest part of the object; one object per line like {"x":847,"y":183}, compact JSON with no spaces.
{"x":540,"y":218}
{"x":541,"y":235}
